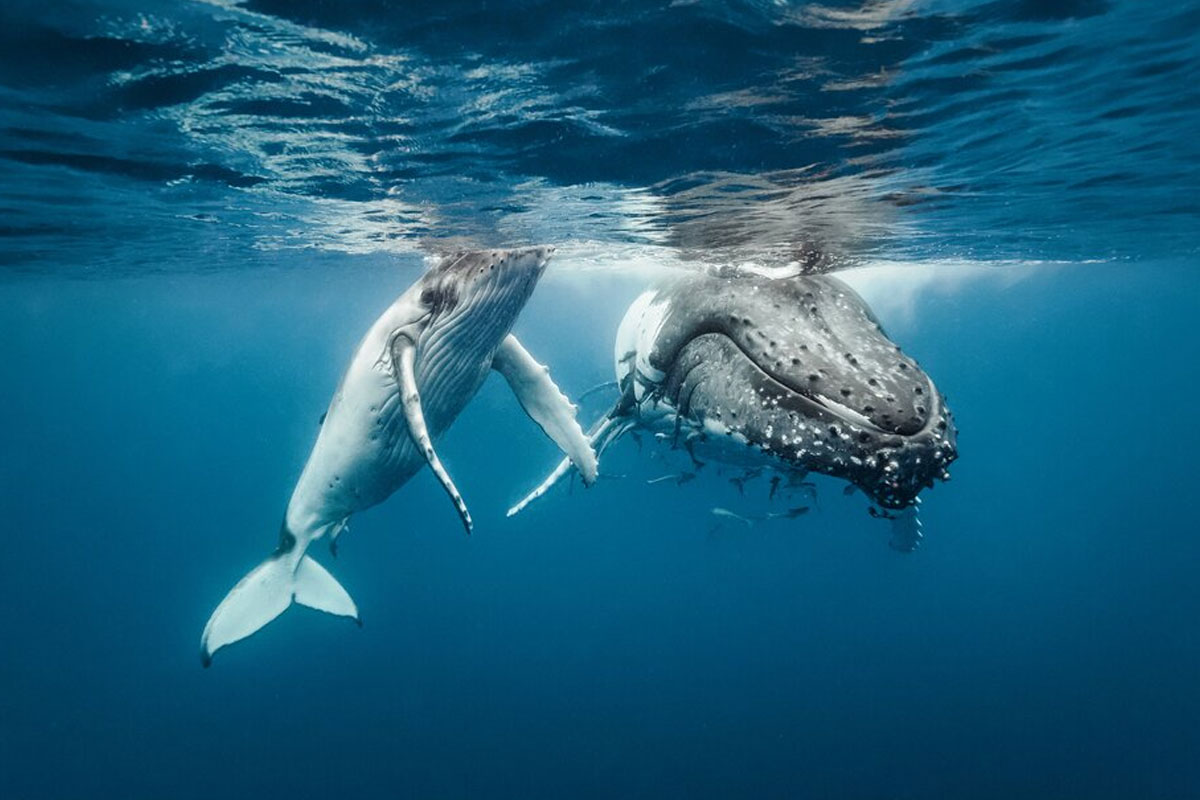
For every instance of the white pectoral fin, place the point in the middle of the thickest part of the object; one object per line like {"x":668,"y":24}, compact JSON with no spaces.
{"x":554,"y":477}
{"x":546,"y":405}
{"x":404,"y":359}
{"x":603,"y":433}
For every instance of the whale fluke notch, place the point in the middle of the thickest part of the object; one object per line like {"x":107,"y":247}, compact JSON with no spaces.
{"x":404,"y":360}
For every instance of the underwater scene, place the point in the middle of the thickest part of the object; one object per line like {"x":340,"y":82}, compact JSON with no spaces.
{"x":571,"y":399}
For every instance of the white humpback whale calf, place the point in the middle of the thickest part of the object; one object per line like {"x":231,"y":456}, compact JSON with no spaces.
{"x":789,"y":374}
{"x":413,"y":372}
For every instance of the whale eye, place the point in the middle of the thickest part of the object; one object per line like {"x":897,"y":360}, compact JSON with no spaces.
{"x":439,"y":297}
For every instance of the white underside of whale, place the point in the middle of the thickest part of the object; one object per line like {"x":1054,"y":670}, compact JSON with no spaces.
{"x":406,"y":383}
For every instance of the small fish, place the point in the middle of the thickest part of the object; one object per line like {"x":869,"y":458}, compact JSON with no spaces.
{"x":597,"y":388}
{"x":680,"y":478}
{"x":797,"y":478}
{"x":791,"y":513}
{"x":774,"y":487}
{"x":725,"y":512}
{"x":321,"y":421}
{"x":610,"y":476}
{"x":849,"y":489}
{"x":748,"y":475}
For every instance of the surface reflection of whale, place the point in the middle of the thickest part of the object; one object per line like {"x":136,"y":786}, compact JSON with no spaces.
{"x":794,"y":374}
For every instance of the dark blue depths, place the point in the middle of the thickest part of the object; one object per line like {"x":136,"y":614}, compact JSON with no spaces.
{"x":608,"y":643}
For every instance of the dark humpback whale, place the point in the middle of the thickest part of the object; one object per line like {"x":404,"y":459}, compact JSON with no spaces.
{"x":791,"y":373}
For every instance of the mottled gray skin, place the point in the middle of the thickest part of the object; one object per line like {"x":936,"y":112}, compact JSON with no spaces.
{"x":797,"y":369}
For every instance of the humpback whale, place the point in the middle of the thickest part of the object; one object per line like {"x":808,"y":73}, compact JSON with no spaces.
{"x":795,"y":374}
{"x":414,"y":371}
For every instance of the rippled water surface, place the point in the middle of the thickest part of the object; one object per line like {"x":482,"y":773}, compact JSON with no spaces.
{"x":183,"y":135}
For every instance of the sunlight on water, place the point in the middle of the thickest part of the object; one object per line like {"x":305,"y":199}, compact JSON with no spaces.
{"x":824,"y":133}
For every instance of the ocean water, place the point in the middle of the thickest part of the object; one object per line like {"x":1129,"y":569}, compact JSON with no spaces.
{"x":205,"y":205}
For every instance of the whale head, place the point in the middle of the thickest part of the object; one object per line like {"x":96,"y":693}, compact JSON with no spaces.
{"x":472,"y":299}
{"x":796,"y":368}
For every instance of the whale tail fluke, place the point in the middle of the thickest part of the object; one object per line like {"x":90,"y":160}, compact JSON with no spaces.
{"x":265,"y":593}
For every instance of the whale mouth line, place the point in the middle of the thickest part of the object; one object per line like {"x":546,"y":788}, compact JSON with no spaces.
{"x":839,"y":411}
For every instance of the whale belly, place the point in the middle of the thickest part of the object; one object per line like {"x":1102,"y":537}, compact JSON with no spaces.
{"x":364,"y":451}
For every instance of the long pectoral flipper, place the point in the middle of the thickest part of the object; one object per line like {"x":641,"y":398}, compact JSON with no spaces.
{"x":546,"y":405}
{"x":906,"y":529}
{"x":403,"y":361}
{"x":603,"y":433}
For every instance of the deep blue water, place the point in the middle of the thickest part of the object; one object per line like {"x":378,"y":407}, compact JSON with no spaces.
{"x":204,"y":205}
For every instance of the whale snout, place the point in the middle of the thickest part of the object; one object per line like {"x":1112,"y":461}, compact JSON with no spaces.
{"x":477,"y":296}
{"x":530,"y":258}
{"x":801,"y":370}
